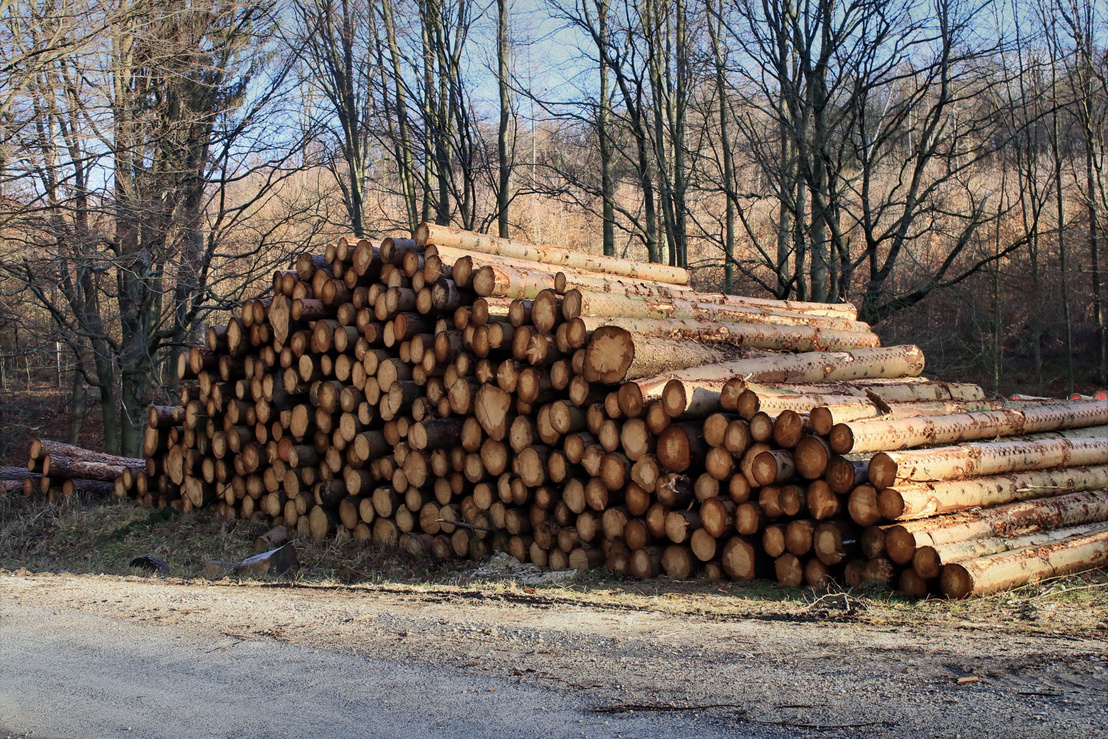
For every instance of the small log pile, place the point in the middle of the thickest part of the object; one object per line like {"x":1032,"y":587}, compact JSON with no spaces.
{"x":456,"y":394}
{"x":974,"y":502}
{"x":58,"y":470}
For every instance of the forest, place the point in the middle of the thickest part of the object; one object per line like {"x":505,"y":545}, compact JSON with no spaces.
{"x":939,"y":163}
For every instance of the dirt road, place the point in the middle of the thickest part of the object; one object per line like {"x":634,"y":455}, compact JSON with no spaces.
{"x":107,"y":656}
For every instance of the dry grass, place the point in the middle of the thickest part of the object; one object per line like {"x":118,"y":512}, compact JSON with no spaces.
{"x":93,"y":536}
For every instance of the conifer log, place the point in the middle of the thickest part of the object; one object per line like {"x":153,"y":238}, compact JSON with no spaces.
{"x":279,"y":317}
{"x":1012,"y":519}
{"x":579,"y":303}
{"x":872,"y":394}
{"x":906,"y":433}
{"x":41,"y":448}
{"x":928,"y":560}
{"x":1008,"y":569}
{"x":750,"y":335}
{"x":742,"y":559}
{"x":92,"y":466}
{"x":614,"y":354}
{"x":1078,"y":447}
{"x":610,"y":357}
{"x":839,"y":410}
{"x":429,"y":233}
{"x":930,"y":499}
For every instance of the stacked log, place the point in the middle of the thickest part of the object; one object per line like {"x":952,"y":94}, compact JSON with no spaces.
{"x":1024,"y":496}
{"x":58,"y":470}
{"x":457,"y":394}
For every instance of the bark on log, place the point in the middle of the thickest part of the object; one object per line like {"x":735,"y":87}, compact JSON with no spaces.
{"x":978,"y":459}
{"x":579,"y":303}
{"x":838,"y":410}
{"x":1020,"y":566}
{"x":749,"y":335}
{"x":60,"y":467}
{"x":922,"y":501}
{"x":40,"y":448}
{"x":1012,"y":519}
{"x":613,"y":364}
{"x":906,"y":433}
{"x":427,"y":233}
{"x":928,"y":560}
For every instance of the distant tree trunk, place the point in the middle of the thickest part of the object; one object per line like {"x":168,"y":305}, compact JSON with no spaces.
{"x":1094,"y":256}
{"x":715,"y":16}
{"x":78,"y":405}
{"x":505,"y":168}
{"x":603,"y":122}
{"x":406,"y":156}
{"x":1056,"y":151}
{"x":443,"y":114}
{"x":430,"y":108}
{"x":998,"y":315}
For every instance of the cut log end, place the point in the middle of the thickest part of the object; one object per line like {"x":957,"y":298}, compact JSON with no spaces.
{"x":841,"y":438}
{"x":609,"y":355}
{"x":956,"y":581}
{"x":882,"y":471}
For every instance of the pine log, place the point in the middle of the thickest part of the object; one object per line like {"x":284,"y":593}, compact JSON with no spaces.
{"x":838,"y":410}
{"x":774,"y":467}
{"x":279,"y":318}
{"x":912,"y":502}
{"x":812,"y":455}
{"x":427,"y":233}
{"x":863,"y":506}
{"x":612,"y":365}
{"x":928,"y":560}
{"x":833,"y":541}
{"x":579,"y":303}
{"x":907,"y":433}
{"x":40,"y":448}
{"x":742,"y":559}
{"x":680,"y":446}
{"x":873,"y":394}
{"x":751,"y":335}
{"x":1012,"y":519}
{"x":1078,"y":447}
{"x":614,"y":354}
{"x":1020,"y":566}
{"x":91,"y":467}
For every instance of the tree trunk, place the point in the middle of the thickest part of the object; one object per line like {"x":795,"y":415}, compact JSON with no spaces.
{"x":503,"y":164}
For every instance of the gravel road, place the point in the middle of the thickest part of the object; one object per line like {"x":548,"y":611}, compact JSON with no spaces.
{"x":88,"y":656}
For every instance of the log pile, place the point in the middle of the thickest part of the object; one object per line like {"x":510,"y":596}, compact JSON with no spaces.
{"x":58,"y":470}
{"x":457,"y":394}
{"x":1024,"y":498}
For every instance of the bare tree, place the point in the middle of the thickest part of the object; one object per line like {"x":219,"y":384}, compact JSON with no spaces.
{"x":335,"y":49}
{"x":141,"y":157}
